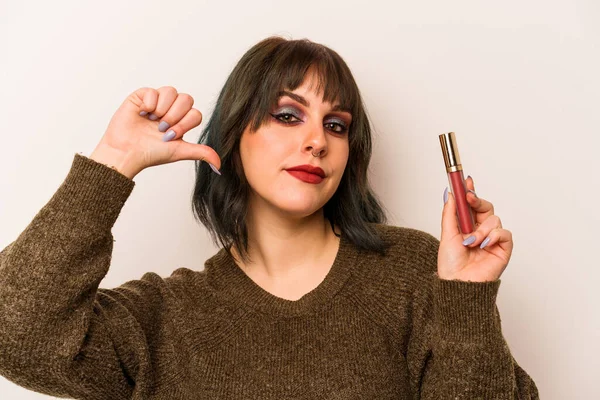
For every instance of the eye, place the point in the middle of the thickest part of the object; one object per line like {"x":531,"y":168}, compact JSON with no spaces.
{"x":286,"y":118}
{"x":341,"y":128}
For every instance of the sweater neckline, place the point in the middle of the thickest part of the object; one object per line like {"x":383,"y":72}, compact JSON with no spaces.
{"x":232,"y":285}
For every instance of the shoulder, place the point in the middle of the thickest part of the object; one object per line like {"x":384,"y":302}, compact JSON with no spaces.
{"x":179,"y":278}
{"x":186,"y":292}
{"x":402,"y":234}
{"x":188,"y":284}
{"x":182,"y":286}
{"x":386,"y":284}
{"x":412,"y":253}
{"x":409,"y":242}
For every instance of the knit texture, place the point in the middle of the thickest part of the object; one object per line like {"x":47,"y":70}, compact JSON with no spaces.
{"x":377,"y":327}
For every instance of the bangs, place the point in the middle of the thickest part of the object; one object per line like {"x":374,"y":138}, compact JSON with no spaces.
{"x":250,"y":93}
{"x":288,"y":65}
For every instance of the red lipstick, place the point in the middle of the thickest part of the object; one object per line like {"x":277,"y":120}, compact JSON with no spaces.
{"x":305,"y":176}
{"x":307,"y":173}
{"x":457,"y":181}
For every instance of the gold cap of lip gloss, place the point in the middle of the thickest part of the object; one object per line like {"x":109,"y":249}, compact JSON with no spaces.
{"x":450,"y":152}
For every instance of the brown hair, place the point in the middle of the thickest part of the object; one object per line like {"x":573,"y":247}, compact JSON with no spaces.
{"x":249,"y":94}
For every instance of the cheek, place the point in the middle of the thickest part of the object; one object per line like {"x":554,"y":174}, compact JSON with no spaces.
{"x":342,"y":152}
{"x":262,"y":154}
{"x":266,"y":146}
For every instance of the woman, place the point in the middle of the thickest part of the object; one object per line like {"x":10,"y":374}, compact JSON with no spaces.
{"x":311,"y":295}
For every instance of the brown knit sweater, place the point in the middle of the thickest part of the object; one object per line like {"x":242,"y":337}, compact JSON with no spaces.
{"x":375,"y":328}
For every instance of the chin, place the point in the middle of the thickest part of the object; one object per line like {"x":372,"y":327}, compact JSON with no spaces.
{"x":299,"y":210}
{"x":299,"y":206}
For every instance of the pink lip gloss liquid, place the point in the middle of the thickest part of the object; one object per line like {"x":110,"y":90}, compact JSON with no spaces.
{"x":457,"y":182}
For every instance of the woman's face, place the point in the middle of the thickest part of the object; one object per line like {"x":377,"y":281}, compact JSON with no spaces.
{"x":293,"y":132}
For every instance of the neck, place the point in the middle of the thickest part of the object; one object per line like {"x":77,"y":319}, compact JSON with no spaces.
{"x":288,"y":250}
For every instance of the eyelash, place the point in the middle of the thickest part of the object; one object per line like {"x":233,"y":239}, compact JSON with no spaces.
{"x":277,"y":116}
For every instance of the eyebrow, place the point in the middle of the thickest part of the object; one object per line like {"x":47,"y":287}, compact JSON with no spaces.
{"x":305,"y":102}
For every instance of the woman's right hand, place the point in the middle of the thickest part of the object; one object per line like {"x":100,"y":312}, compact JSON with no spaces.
{"x":133,"y":142}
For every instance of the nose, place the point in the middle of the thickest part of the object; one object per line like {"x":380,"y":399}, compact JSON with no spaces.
{"x":316,"y":140}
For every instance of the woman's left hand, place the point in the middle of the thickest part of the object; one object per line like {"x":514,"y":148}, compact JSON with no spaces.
{"x":470,"y":262}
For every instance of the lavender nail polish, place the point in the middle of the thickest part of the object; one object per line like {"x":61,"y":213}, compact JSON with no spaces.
{"x":446,"y":195}
{"x":484,"y":243}
{"x":163,"y":126}
{"x":153,"y":117}
{"x":168,"y":136}
{"x":470,"y":240}
{"x":142,"y":113}
{"x":214,"y":168}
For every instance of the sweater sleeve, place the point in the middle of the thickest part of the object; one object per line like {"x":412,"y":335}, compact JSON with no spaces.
{"x":59,"y":334}
{"x":456,"y":348}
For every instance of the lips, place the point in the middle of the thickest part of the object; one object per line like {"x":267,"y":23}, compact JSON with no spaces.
{"x":309,"y":169}
{"x":305,"y":176}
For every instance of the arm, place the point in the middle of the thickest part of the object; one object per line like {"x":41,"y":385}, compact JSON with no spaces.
{"x":456,"y":349}
{"x":59,"y":334}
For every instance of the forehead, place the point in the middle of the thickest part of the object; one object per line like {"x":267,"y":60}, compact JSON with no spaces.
{"x":317,"y":85}
{"x":311,"y":91}
{"x":306,"y":101}
{"x":312,"y":85}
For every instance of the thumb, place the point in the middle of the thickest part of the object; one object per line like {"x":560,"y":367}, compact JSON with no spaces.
{"x":183,"y":150}
{"x":449,"y":218}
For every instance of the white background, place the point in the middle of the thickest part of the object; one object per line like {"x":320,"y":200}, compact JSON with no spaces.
{"x":518,"y":81}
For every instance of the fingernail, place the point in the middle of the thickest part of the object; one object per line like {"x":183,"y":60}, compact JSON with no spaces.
{"x":168,"y":136}
{"x":475,"y":194}
{"x":469,"y":240}
{"x":163,"y":126}
{"x":484,"y":243}
{"x":153,"y":117}
{"x":446,"y":195}
{"x":214,"y":168}
{"x":142,"y":113}
{"x":469,"y":177}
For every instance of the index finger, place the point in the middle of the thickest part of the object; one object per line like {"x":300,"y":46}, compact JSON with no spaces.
{"x":481,"y":207}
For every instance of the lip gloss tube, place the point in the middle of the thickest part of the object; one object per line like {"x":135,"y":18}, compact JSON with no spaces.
{"x":457,"y":182}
